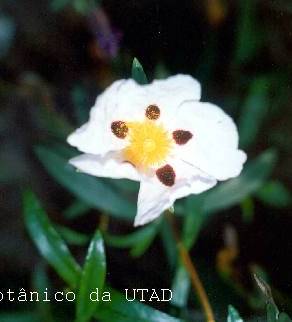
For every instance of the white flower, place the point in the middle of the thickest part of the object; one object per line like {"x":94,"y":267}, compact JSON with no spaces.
{"x":161,"y":135}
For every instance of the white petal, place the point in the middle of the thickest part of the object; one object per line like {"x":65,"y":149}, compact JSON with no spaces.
{"x":189,"y":180}
{"x":108,"y":166}
{"x":95,"y":136}
{"x":178,"y":88}
{"x":154,"y":197}
{"x":214,"y":145}
{"x":125,"y":100}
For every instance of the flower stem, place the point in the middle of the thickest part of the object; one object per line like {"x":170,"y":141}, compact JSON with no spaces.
{"x":192,"y":271}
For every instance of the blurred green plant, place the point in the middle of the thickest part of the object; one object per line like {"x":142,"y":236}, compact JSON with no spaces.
{"x":7,"y":34}
{"x":80,"y":6}
{"x":86,"y":279}
{"x":272,"y":311}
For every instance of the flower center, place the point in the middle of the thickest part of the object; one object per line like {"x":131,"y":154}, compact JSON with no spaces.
{"x":149,"y":144}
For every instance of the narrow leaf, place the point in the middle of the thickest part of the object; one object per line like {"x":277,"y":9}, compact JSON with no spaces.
{"x":129,"y":240}
{"x":233,"y":315}
{"x":138,"y":73}
{"x":125,"y":311}
{"x":255,"y":108}
{"x":192,"y":223}
{"x":92,"y":278}
{"x":168,"y":244}
{"x":275,"y":194}
{"x":235,"y":190}
{"x":19,"y":317}
{"x":48,"y":241}
{"x":283,"y":317}
{"x":180,"y":286}
{"x":95,"y":192}
{"x":249,"y":38}
{"x":272,"y":310}
{"x":72,"y":237}
{"x":41,"y":283}
{"x":76,"y":209}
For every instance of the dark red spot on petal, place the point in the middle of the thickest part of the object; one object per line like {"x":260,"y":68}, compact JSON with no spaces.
{"x":119,"y":129}
{"x":152,"y":112}
{"x":181,"y":136}
{"x":166,"y":175}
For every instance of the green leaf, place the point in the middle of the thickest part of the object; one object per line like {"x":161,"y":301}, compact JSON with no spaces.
{"x":81,"y":103}
{"x":7,"y":35}
{"x":126,"y":185}
{"x":255,"y":108}
{"x":141,"y":246}
{"x":275,"y":194}
{"x":51,"y":122}
{"x":92,"y":278}
{"x":19,"y":317}
{"x":72,"y":237}
{"x":48,"y":241}
{"x":76,"y":209}
{"x":138,"y":73}
{"x":41,"y":283}
{"x":57,"y":5}
{"x":139,"y":240}
{"x":168,"y":244}
{"x":272,"y":310}
{"x":95,"y":192}
{"x":233,"y":315}
{"x":249,"y":37}
{"x":247,"y":208}
{"x":283,"y":317}
{"x":180,"y":286}
{"x":125,"y":311}
{"x":235,"y":190}
{"x":192,"y":223}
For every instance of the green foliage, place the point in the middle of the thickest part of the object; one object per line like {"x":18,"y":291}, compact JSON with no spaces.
{"x":249,"y":37}
{"x":92,"y":278}
{"x":233,"y":191}
{"x":94,"y":192}
{"x":48,"y":241}
{"x":72,"y":237}
{"x":124,"y":311}
{"x":254,"y":110}
{"x":275,"y":194}
{"x":273,"y":313}
{"x":59,"y":4}
{"x":193,"y":220}
{"x":138,"y":241}
{"x":7,"y":33}
{"x":247,"y":208}
{"x":233,"y":315}
{"x":81,"y":103}
{"x":168,"y":244}
{"x":138,"y":73}
{"x":180,"y":286}
{"x":81,"y":6}
{"x":41,"y":282}
{"x":19,"y":317}
{"x":283,"y":317}
{"x":76,"y":209}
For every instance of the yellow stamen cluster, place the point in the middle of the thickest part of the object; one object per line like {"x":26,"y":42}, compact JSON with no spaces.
{"x":149,"y":144}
